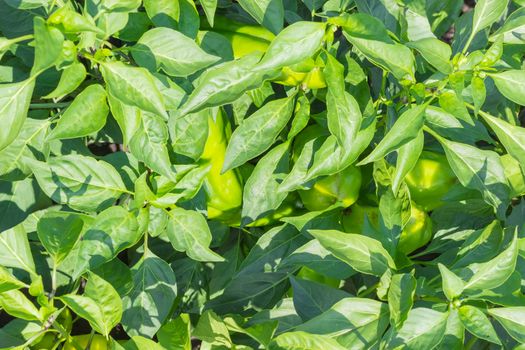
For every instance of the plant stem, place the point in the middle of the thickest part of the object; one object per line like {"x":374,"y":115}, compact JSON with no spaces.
{"x":49,"y":105}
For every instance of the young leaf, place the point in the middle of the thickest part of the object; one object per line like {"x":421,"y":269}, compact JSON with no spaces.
{"x":453,"y":286}
{"x":423,"y":329}
{"x":258,"y":132}
{"x":153,"y":294}
{"x":86,"y":115}
{"x":171,"y":51}
{"x":15,"y":244}
{"x":71,"y":78}
{"x":188,"y":232}
{"x":148,"y":144}
{"x":362,"y":253}
{"x":343,"y":113}
{"x":58,"y":232}
{"x":292,"y":45}
{"x":511,"y":84}
{"x":14,"y":104}
{"x":100,"y":304}
{"x":269,"y":13}
{"x":487,"y":12}
{"x":304,"y":340}
{"x":225,"y":83}
{"x":512,"y":319}
{"x":493,"y":273}
{"x":81,"y":182}
{"x":259,"y":199}
{"x":478,"y":324}
{"x":133,"y":86}
{"x":479,"y":170}
{"x":401,"y":297}
{"x":512,"y":137}
{"x":405,"y":129}
{"x":435,"y":52}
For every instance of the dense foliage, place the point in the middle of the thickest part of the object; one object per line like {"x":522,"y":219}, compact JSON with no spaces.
{"x":262,"y":174}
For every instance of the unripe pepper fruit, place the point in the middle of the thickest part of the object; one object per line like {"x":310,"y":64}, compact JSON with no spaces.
{"x":429,"y":180}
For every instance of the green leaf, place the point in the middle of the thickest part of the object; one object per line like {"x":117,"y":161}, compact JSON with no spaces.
{"x":153,"y":294}
{"x":479,"y":170}
{"x":71,"y":78}
{"x":14,"y":104}
{"x":511,"y":32}
{"x":352,"y":321}
{"x":120,"y":5}
{"x":189,"y":133}
{"x":176,"y":333}
{"x":188,"y":232}
{"x":18,"y":199}
{"x":493,"y":273}
{"x":312,"y":299}
{"x":510,"y":84}
{"x":209,"y":7}
{"x":112,"y":231}
{"x":268,"y":13}
{"x":293,"y":44}
{"x":423,"y":329}
{"x":512,"y":319}
{"x":486,"y":12}
{"x":58,"y":232}
{"x":453,"y":286}
{"x":478,"y":324}
{"x":369,"y":35}
{"x":100,"y":304}
{"x":212,"y":330}
{"x":16,"y":304}
{"x":304,"y":341}
{"x":86,"y":115}
{"x":511,"y":136}
{"x":128,"y":118}
{"x":81,"y":182}
{"x":48,"y":46}
{"x":407,"y":157}
{"x":343,"y":113}
{"x":258,"y":132}
{"x":265,"y":175}
{"x":171,"y":51}
{"x":404,"y":130}
{"x":15,"y":244}
{"x":133,"y":86}
{"x":225,"y":83}
{"x":435,"y":52}
{"x":401,"y":297}
{"x":148,"y":144}
{"x":9,"y":282}
{"x":362,"y":253}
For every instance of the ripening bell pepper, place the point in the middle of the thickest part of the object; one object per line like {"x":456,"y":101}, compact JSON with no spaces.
{"x":342,"y":187}
{"x":416,"y":233}
{"x":429,"y":180}
{"x":223,"y":191}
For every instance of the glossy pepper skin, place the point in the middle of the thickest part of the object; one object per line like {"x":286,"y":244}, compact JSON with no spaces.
{"x":97,"y":343}
{"x":416,"y":233}
{"x":223,"y":191}
{"x":429,"y":180}
{"x":342,"y":187}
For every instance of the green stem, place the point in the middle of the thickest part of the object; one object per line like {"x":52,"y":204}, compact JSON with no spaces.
{"x":67,"y":336}
{"x":369,"y":290}
{"x":469,"y":41}
{"x":91,"y":335}
{"x":22,"y":38}
{"x":49,"y":105}
{"x":53,"y":281}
